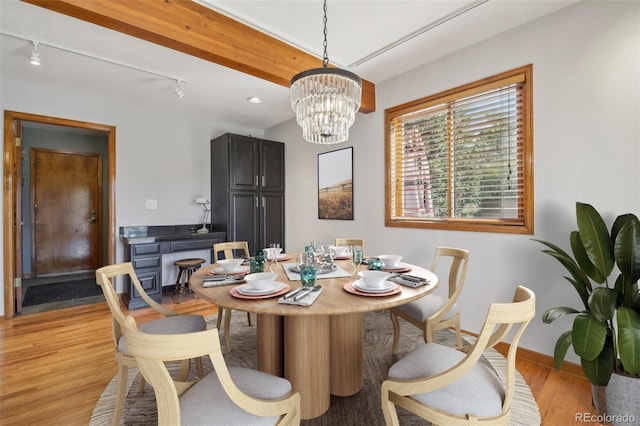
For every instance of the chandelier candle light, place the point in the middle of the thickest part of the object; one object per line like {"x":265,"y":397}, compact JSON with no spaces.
{"x":325,"y":100}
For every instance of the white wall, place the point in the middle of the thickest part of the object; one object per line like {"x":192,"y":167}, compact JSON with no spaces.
{"x":586,"y":78}
{"x":162,"y":152}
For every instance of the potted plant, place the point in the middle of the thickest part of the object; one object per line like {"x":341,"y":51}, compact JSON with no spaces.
{"x":606,"y":330}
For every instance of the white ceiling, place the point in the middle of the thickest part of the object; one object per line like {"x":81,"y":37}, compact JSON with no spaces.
{"x":356,"y":30}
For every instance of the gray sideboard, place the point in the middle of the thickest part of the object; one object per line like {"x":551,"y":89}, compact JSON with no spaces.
{"x":144,"y":247}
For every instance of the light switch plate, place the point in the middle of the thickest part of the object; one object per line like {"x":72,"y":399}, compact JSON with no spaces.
{"x":152,"y":204}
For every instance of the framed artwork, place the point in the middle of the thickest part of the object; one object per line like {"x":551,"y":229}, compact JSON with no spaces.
{"x":335,"y":184}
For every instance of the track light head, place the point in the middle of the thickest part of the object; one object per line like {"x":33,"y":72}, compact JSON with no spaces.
{"x":35,"y":55}
{"x":178,"y":90}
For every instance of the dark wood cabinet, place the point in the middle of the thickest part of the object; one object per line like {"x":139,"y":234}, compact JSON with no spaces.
{"x":247,"y":189}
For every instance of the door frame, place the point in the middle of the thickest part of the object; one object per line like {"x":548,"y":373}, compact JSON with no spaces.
{"x":12,"y":184}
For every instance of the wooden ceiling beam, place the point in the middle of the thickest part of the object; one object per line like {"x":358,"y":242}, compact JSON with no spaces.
{"x":194,"y":29}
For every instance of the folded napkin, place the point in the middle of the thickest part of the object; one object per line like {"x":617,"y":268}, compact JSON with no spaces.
{"x":409,"y":281}
{"x":304,"y":301}
{"x":217,"y":283}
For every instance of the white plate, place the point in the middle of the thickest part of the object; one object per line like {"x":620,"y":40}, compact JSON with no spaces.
{"x":247,"y":290}
{"x":220,"y":270}
{"x":362,"y":286}
{"x":282,"y":256}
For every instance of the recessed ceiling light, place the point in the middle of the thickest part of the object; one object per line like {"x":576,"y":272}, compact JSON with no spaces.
{"x":254,"y":100}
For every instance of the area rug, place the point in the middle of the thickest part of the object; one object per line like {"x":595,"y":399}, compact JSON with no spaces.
{"x":360,"y":409}
{"x":56,"y":292}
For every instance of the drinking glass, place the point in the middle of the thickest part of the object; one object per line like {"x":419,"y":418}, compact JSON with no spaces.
{"x":356,"y":258}
{"x":308,"y":275}
{"x":256,"y":265}
{"x":271,"y":255}
{"x":374,"y":264}
{"x":275,"y":250}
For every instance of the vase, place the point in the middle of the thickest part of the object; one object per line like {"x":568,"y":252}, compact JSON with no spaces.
{"x":618,"y":402}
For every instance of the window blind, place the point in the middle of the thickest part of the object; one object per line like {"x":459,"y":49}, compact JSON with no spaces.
{"x":462,"y":158}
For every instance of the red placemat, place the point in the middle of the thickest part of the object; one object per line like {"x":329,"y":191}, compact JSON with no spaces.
{"x":236,"y":293}
{"x":349,"y":288}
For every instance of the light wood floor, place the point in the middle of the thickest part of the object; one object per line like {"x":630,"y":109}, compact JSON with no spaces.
{"x":55,"y":365}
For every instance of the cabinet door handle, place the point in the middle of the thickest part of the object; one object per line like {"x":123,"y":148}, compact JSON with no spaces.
{"x":263,"y":203}
{"x":264,"y":181}
{"x":257,"y":201}
{"x":256,"y":180}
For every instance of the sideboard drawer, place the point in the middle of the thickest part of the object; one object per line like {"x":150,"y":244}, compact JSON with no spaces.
{"x":142,"y":249}
{"x":147,"y":262}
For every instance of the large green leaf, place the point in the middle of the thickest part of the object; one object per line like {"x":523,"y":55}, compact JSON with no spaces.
{"x":553,"y":247}
{"x":554,"y":313}
{"x":595,"y":237}
{"x":598,"y":371}
{"x":627,"y":249}
{"x":582,"y":290}
{"x":580,"y":281}
{"x":619,"y":223}
{"x":562,"y":345}
{"x":583,"y":259}
{"x":588,"y":335}
{"x":629,"y":339}
{"x":603,"y":302}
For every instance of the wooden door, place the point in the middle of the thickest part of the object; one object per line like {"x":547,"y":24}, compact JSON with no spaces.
{"x":17,"y":236}
{"x":66,"y":193}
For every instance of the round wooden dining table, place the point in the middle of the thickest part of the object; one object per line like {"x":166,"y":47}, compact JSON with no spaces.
{"x":318,"y":348}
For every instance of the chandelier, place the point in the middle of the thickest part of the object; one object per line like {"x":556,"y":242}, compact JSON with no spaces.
{"x":325,"y":100}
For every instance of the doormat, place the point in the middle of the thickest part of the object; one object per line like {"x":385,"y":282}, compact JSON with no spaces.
{"x":56,"y":292}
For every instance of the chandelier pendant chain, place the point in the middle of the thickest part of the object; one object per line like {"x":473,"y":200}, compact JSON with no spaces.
{"x":325,"y":58}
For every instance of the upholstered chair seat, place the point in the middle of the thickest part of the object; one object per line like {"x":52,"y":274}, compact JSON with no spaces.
{"x":425,"y":307}
{"x":447,"y":386}
{"x":433,"y":312}
{"x":225,"y":396}
{"x":168,"y":325}
{"x":479,"y":392}
{"x":207,"y":398}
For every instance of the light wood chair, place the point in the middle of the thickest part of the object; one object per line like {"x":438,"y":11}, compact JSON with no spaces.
{"x":229,"y":249}
{"x":434,"y":312}
{"x":171,"y":322}
{"x":350,"y":242}
{"x":448,"y":387}
{"x":226,"y":396}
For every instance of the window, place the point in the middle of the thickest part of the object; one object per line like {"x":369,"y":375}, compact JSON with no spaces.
{"x":463,"y":159}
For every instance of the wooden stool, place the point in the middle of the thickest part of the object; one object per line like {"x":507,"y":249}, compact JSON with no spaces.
{"x":186,"y":268}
